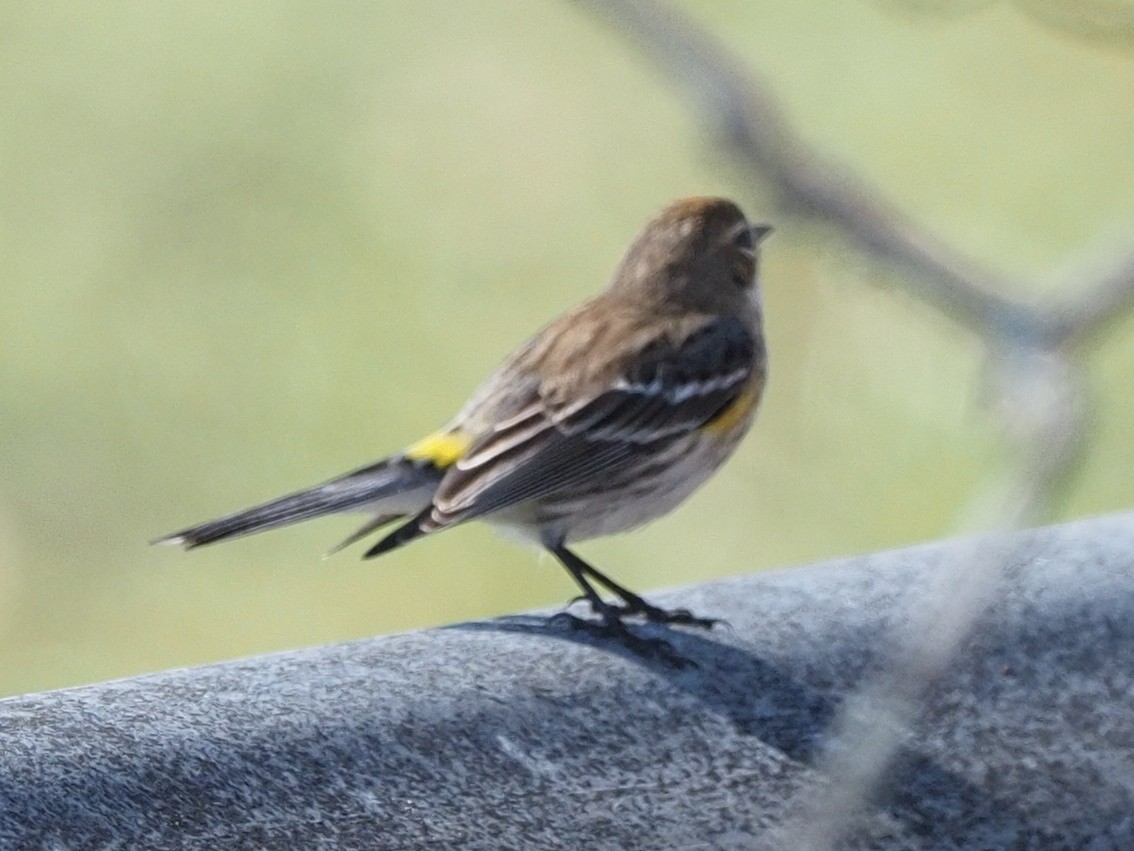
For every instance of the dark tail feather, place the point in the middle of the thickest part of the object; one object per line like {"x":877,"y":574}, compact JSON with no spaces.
{"x":394,"y":486}
{"x":402,"y":535}
{"x":368,"y":527}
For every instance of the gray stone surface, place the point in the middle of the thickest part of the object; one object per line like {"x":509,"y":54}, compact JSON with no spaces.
{"x":521,"y":733}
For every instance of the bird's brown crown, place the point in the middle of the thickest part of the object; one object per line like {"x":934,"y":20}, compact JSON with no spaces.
{"x":696,"y":253}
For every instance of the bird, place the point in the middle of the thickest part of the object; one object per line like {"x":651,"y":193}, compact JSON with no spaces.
{"x":604,"y":420}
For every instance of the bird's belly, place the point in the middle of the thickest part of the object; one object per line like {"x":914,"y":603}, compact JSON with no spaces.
{"x":632,"y":498}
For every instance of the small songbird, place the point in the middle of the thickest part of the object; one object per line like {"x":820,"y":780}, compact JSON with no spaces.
{"x":605,"y":420}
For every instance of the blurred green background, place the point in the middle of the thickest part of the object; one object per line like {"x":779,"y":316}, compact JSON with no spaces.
{"x":249,"y":246}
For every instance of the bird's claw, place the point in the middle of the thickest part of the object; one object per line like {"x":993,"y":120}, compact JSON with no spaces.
{"x":653,"y":614}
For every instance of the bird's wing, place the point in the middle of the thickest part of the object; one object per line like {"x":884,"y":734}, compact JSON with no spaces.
{"x":659,"y":391}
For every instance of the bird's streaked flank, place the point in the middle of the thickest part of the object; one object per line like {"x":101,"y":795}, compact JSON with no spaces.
{"x":606,"y":419}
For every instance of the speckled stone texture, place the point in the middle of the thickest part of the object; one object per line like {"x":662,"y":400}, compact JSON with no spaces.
{"x":523,"y":734}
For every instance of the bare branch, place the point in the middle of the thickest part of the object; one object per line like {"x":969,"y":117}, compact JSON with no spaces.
{"x":1089,"y":312}
{"x":753,"y":127}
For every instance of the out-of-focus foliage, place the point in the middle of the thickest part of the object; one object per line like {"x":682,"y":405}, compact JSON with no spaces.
{"x":248,"y":246}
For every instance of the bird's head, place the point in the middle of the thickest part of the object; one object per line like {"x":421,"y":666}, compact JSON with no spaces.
{"x":697,"y":253}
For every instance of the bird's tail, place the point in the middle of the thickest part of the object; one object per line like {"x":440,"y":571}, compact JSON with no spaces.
{"x":391,"y":489}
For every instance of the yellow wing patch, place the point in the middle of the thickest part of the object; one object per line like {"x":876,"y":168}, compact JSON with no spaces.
{"x":443,"y":449}
{"x":739,"y":411}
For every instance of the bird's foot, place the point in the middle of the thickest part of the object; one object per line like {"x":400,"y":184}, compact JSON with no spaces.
{"x":636,"y":606}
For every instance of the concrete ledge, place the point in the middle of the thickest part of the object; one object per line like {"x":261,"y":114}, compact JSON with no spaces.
{"x":520,"y":733}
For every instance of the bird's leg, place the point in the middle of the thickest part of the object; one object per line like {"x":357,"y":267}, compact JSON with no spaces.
{"x":632,"y":604}
{"x":577,"y":568}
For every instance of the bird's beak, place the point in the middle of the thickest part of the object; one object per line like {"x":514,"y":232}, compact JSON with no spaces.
{"x":760,"y":232}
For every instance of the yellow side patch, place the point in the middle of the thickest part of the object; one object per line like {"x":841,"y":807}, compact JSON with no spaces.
{"x":443,"y":449}
{"x":736,"y":413}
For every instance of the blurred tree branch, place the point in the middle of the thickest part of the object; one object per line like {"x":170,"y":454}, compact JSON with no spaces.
{"x":752,"y":126}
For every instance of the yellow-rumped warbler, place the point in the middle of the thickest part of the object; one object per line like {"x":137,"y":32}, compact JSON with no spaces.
{"x":604,"y":420}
